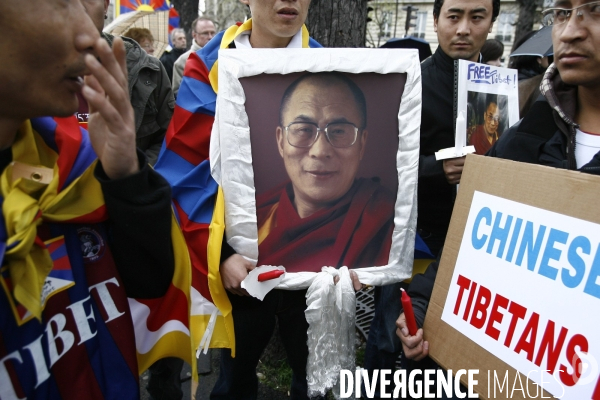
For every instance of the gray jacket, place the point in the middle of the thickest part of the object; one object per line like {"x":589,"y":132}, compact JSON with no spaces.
{"x":151,"y":97}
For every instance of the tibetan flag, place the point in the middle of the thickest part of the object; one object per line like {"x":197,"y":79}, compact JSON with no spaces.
{"x":60,"y":150}
{"x":162,"y":325}
{"x":173,"y":19}
{"x":125,"y":6}
{"x":197,"y":198}
{"x":62,"y":147}
{"x":60,"y":278}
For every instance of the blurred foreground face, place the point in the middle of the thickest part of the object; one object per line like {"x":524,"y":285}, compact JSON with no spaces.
{"x":576,"y":43}
{"x":462,"y":27}
{"x":147,"y":45}
{"x":43,"y":44}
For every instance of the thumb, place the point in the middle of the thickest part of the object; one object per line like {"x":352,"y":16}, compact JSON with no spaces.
{"x":355,"y":282}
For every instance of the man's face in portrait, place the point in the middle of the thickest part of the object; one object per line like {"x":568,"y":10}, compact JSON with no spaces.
{"x":576,"y":44}
{"x":43,"y":44}
{"x":463,"y":26}
{"x":492,"y":119}
{"x":321,"y":173}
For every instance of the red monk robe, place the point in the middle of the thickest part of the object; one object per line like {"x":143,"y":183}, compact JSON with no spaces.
{"x":356,"y":231}
{"x":479,"y":139}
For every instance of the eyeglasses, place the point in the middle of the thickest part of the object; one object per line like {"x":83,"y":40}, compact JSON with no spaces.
{"x":492,"y":118}
{"x":305,"y":134}
{"x":210,"y":33}
{"x":558,"y":16}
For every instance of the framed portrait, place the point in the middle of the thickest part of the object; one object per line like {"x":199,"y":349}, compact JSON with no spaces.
{"x":488,"y":97}
{"x":316,"y":151}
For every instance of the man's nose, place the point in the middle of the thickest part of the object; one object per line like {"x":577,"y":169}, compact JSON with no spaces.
{"x":573,"y":29}
{"x":463,"y":27}
{"x":86,"y":32}
{"x":321,"y":148}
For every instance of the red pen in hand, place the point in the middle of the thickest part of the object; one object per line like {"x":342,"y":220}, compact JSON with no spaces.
{"x":409,"y":314}
{"x":267,"y":276}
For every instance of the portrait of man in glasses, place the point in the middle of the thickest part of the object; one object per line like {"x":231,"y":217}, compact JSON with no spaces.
{"x":324,"y":214}
{"x":491,"y":121}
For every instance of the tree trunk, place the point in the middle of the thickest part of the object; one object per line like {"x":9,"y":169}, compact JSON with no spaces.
{"x":527,"y":17}
{"x":338,"y":23}
{"x":188,"y":12}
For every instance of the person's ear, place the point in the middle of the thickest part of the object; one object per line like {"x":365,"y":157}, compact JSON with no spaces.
{"x":363,"y":142}
{"x":491,"y":27}
{"x":280,"y":138}
{"x":246,"y":2}
{"x":106,"y":3}
{"x":435,"y":22}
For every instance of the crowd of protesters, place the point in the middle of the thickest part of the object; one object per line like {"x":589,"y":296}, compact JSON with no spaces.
{"x":123,"y":208}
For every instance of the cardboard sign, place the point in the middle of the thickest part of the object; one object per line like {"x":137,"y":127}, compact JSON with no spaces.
{"x":518,"y":288}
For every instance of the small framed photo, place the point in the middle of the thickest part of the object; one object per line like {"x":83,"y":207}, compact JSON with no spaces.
{"x":489,"y":98}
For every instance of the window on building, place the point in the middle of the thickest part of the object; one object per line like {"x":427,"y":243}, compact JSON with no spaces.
{"x":421,"y":24}
{"x":506,"y":23}
{"x":386,"y":26}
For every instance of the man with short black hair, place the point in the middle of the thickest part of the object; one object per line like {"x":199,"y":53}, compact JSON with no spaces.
{"x":203,"y":29}
{"x":562,"y":129}
{"x":462,"y":27}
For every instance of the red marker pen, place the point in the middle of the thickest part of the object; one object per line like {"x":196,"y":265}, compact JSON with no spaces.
{"x":409,"y":314}
{"x":267,"y":276}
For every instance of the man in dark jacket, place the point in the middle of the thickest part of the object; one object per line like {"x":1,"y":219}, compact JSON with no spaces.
{"x":168,"y":58}
{"x":462,"y":28}
{"x":149,"y":88}
{"x":562,"y":130}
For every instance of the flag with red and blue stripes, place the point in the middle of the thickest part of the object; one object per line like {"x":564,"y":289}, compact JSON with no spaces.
{"x":184,"y":162}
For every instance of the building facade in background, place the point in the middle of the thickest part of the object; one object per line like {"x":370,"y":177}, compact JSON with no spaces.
{"x":388,"y":19}
{"x":224,"y":12}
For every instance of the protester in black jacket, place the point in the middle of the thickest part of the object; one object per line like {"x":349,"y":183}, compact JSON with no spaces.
{"x":549,"y":135}
{"x":462,"y":28}
{"x":168,"y":58}
{"x":556,"y":132}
